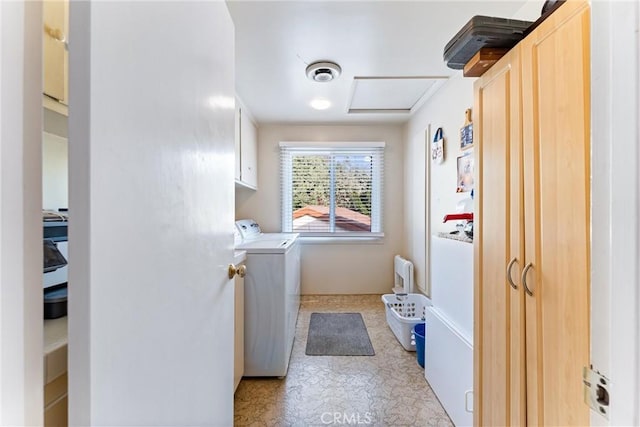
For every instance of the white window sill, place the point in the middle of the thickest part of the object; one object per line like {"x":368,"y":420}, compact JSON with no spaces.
{"x":347,"y":240}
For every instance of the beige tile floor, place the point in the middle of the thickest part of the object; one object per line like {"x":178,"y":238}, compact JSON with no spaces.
{"x":385,"y":390}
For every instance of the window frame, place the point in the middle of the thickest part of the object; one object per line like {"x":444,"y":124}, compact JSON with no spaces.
{"x":288,"y":150}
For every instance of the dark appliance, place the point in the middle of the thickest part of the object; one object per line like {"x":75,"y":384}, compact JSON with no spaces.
{"x":54,"y":229}
{"x":53,"y":258}
{"x":55,"y":297}
{"x":483,"y":31}
{"x":55,"y":302}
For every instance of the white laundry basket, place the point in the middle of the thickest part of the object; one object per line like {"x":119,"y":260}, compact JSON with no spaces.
{"x":404,"y":311}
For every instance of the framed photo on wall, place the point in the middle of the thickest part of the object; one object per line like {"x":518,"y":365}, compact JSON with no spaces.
{"x":466,"y":131}
{"x":465,"y":173}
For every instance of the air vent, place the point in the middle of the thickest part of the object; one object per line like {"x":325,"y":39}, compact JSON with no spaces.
{"x":323,"y":71}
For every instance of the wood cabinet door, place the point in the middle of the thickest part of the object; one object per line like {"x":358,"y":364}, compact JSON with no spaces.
{"x":556,"y":105}
{"x":499,"y":387}
{"x":54,"y":14}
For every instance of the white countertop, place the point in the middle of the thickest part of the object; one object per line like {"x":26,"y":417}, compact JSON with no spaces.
{"x":459,"y":237}
{"x":239,"y":257}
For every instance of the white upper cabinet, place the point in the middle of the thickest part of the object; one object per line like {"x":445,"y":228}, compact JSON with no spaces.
{"x":246,"y":148}
{"x":249,"y":150}
{"x":237,"y":172}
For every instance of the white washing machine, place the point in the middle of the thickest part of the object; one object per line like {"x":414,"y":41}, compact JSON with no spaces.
{"x":272,"y":298}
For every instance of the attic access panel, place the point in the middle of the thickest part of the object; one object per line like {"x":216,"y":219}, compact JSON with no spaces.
{"x":391,"y":94}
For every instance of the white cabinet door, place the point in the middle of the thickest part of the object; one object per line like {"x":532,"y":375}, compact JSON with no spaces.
{"x":238,"y":148}
{"x":246,"y":148}
{"x":249,"y":150}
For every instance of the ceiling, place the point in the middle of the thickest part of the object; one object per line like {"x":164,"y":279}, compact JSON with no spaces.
{"x":389,"y":52}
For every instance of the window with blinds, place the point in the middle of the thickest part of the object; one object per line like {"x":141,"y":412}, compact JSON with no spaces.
{"x":332,"y":189}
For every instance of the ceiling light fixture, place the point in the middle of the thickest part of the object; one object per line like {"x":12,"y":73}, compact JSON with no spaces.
{"x":323,"y":71}
{"x":320,"y":104}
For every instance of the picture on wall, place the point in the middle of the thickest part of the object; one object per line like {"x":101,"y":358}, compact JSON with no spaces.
{"x":437,"y":147}
{"x":465,"y":173}
{"x":466,"y":132}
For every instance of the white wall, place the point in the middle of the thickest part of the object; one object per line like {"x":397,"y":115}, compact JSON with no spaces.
{"x":441,"y":111}
{"x":415,"y":200}
{"x":55,"y":172}
{"x":445,"y":109}
{"x":151,"y":198}
{"x":21,"y":352}
{"x":347,"y":268}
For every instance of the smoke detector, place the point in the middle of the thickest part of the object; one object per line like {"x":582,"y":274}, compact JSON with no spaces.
{"x":323,"y":71}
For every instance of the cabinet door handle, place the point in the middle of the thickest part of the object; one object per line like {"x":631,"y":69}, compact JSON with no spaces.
{"x":524,"y":279}
{"x":466,"y":400}
{"x":509,"y":266}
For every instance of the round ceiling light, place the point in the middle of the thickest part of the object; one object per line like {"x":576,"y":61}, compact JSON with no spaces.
{"x":323,"y":71}
{"x":320,"y":104}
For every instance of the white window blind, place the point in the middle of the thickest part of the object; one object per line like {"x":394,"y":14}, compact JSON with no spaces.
{"x":332,"y":189}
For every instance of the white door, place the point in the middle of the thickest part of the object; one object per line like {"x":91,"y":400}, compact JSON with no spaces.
{"x":151,"y":135}
{"x":615,"y":133}
{"x":21,"y":375}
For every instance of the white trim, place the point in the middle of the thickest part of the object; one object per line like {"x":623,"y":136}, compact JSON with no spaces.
{"x":21,"y":320}
{"x":289,"y":151}
{"x":615,"y":98}
{"x":344,"y":235}
{"x":331,"y":144}
{"x":378,"y":239}
{"x":427,"y":211}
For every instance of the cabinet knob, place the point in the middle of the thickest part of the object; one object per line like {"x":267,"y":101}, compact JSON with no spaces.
{"x":54,"y":33}
{"x":57,"y":35}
